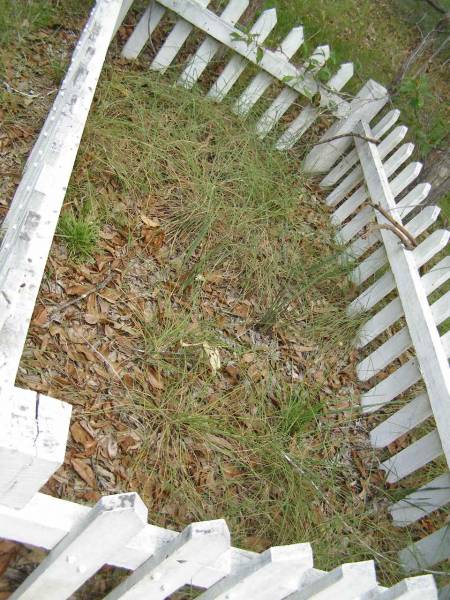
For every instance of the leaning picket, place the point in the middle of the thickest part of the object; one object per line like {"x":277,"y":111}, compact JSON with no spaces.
{"x":112,"y":522}
{"x":204,"y":54}
{"x":428,"y":498}
{"x":236,"y":66}
{"x":261,"y":82}
{"x":271,"y":576}
{"x":288,"y":96}
{"x":175,"y":564}
{"x":173,"y":44}
{"x":426,"y":339}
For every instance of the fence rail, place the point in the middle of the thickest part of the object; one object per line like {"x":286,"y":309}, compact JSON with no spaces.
{"x":34,"y":428}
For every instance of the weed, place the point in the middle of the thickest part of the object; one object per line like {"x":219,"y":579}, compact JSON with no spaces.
{"x":79,"y":234}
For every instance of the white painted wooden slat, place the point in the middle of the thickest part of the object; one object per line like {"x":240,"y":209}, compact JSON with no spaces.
{"x":413,"y":199}
{"x":48,"y":143}
{"x":391,"y":387}
{"x":351,"y":159}
{"x":236,"y":66}
{"x":356,"y":176}
{"x":346,"y":582}
{"x":366,"y":105}
{"x":388,"y":315}
{"x":427,"y":552}
{"x":288,"y":96}
{"x":413,"y":457}
{"x":126,"y":5}
{"x":45,"y":520}
{"x":424,"y":252}
{"x":271,"y":576}
{"x":46,"y":196}
{"x":197,"y":547}
{"x":428,"y":498}
{"x":33,"y":438}
{"x":404,"y":420}
{"x":207,"y":50}
{"x":418,"y":225}
{"x":399,"y":343}
{"x":223,"y":32}
{"x":349,"y":206}
{"x":262,"y":81}
{"x":422,"y":587}
{"x":173,"y":44}
{"x":108,"y":526}
{"x":143,"y":30}
{"x":309,"y":114}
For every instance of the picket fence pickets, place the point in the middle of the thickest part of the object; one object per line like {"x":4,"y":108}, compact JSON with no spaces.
{"x":34,"y":428}
{"x":367,"y":176}
{"x":115,"y":532}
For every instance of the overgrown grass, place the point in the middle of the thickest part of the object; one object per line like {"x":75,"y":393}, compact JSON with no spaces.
{"x":244,"y":269}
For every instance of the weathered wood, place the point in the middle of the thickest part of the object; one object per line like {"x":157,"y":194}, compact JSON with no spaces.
{"x":414,"y":588}
{"x":108,"y":526}
{"x":262,"y":81}
{"x":388,"y":315}
{"x":424,"y":252}
{"x":346,"y":582}
{"x":399,"y":343}
{"x":45,"y":521}
{"x":428,"y":498}
{"x":35,"y":211}
{"x":197,"y":547}
{"x":288,"y":96}
{"x":225,"y":33}
{"x":309,"y":114}
{"x":416,"y":197}
{"x":349,"y":160}
{"x":413,"y":457}
{"x":356,"y":176}
{"x":207,"y":50}
{"x":270,"y":576}
{"x":427,"y":552}
{"x":33,"y":438}
{"x":404,"y":420}
{"x":236,"y":66}
{"x":418,"y":225}
{"x":143,"y":30}
{"x":365,"y":216}
{"x":366,"y":105}
{"x":173,"y":44}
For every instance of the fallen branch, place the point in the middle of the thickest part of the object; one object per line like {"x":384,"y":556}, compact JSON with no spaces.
{"x":344,"y":135}
{"x":93,"y":290}
{"x":408,"y":240}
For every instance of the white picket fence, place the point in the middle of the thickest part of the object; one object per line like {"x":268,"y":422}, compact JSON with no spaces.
{"x":34,"y":428}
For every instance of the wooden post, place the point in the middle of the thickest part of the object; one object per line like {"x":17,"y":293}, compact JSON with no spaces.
{"x":33,"y":439}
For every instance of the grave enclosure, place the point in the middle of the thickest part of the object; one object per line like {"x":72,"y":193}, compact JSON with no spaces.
{"x":381,"y":226}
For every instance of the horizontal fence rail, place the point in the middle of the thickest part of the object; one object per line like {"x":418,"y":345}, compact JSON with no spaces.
{"x":396,"y":282}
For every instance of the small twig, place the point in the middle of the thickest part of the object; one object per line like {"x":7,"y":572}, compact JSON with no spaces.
{"x":409,"y":240}
{"x":11,"y":89}
{"x":344,"y":135}
{"x":93,"y":290}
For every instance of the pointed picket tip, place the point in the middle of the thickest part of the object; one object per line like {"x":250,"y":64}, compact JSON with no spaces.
{"x":293,"y":40}
{"x":269,"y":15}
